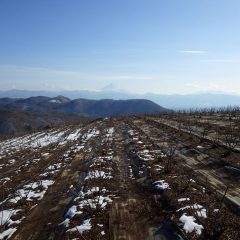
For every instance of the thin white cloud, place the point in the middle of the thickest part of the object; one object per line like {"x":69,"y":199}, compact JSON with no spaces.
{"x":194,"y":52}
{"x":34,"y":70}
{"x":222,"y":60}
{"x":193,"y":85}
{"x":126,"y":77}
{"x":212,"y":86}
{"x":10,"y":70}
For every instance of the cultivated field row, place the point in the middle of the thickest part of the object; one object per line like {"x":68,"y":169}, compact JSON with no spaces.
{"x":123,"y":178}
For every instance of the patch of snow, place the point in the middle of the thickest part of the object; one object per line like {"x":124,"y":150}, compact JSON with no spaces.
{"x":45,"y":154}
{"x":74,"y":136}
{"x":48,"y":139}
{"x":72,"y":211}
{"x":189,"y":224}
{"x":98,"y":174}
{"x":202,"y":213}
{"x":200,"y":210}
{"x":40,"y":139}
{"x":12,"y":161}
{"x":66,"y":222}
{"x":91,"y":133}
{"x":95,"y":190}
{"x":7,"y":233}
{"x":194,"y":206}
{"x":4,"y":180}
{"x":183,"y":199}
{"x":161,"y":184}
{"x":30,"y":191}
{"x":54,"y":101}
{"x":5,"y":216}
{"x":98,"y":201}
{"x":110,"y":132}
{"x":85,"y":226}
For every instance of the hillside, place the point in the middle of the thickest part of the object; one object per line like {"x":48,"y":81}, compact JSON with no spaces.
{"x":16,"y":123}
{"x":81,"y":107}
{"x":122,"y":178}
{"x":21,"y":116}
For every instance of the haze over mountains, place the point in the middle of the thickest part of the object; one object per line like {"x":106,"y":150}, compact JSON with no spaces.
{"x":198,"y":100}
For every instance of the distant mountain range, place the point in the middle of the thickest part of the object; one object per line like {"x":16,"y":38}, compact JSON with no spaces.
{"x":81,"y":107}
{"x":199,"y":100}
{"x":22,"y":115}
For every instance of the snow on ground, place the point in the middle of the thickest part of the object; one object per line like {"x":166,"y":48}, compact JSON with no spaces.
{"x":72,"y":211}
{"x":189,"y":224}
{"x":5,"y":216}
{"x":110,"y":132}
{"x":93,"y":196}
{"x":91,"y":133}
{"x":32,"y":191}
{"x":6,"y":221}
{"x":95,"y":190}
{"x":52,"y":169}
{"x":199,"y":210}
{"x":75,"y":135}
{"x":5,"y":180}
{"x":95,"y":202}
{"x":148,"y":155}
{"x":85,"y":226}
{"x":36,"y":140}
{"x":7,"y":233}
{"x":161,"y":184}
{"x":98,"y":174}
{"x":12,"y":161}
{"x":132,"y":132}
{"x":39,"y":140}
{"x":158,"y":167}
{"x":145,"y":155}
{"x":183,"y":199}
{"x":48,"y":139}
{"x":130,"y":172}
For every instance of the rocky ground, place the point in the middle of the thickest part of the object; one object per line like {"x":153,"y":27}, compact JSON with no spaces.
{"x":121,"y":178}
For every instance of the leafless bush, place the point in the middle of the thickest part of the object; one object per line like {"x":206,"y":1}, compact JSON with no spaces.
{"x":170,"y":153}
{"x":231,"y":137}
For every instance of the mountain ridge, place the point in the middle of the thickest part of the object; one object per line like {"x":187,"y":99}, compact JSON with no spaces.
{"x":171,"y":101}
{"x":81,"y":106}
{"x":23,"y":115}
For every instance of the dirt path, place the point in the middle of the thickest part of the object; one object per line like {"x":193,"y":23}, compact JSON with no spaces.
{"x":215,"y":179}
{"x":130,"y":215}
{"x":124,"y":217}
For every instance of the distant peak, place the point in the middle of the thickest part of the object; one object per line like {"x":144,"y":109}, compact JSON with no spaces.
{"x":60,"y":99}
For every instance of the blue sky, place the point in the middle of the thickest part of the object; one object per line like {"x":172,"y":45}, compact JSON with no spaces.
{"x":161,"y":46}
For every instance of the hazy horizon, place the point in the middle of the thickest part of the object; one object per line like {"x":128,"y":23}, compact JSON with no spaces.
{"x":120,"y":91}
